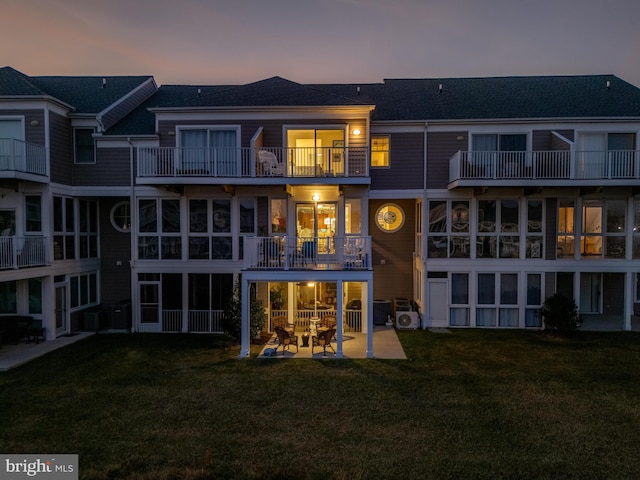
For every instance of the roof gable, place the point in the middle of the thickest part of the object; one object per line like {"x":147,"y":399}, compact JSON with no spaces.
{"x":14,"y":83}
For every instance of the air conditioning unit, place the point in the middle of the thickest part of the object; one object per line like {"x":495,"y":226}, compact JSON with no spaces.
{"x":407,"y":320}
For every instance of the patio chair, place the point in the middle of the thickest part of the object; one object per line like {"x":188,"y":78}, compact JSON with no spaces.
{"x":285,"y":339}
{"x":327,"y":322}
{"x":270,"y":165}
{"x":282,"y":322}
{"x":323,"y":339}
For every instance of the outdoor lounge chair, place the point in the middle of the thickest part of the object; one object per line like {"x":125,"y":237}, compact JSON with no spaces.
{"x":323,"y":339}
{"x":285,"y":339}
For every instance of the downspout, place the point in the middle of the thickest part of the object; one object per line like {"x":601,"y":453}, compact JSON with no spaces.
{"x":423,"y":241}
{"x":132,"y":222}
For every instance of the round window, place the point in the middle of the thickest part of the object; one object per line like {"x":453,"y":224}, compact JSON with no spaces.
{"x":389,"y":218}
{"x":121,"y":217}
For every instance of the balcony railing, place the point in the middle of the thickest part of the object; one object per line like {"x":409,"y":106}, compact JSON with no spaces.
{"x":307,"y":253}
{"x":22,"y":252}
{"x":25,"y":157}
{"x":546,"y":165}
{"x":252,"y":163}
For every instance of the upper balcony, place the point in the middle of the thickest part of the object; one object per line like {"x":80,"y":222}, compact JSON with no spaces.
{"x":23,"y":160}
{"x":547,"y":168}
{"x":307,"y":253}
{"x":196,"y":165}
{"x":22,"y":252}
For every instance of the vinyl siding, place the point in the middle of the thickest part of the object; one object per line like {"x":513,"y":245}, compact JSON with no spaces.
{"x":393,"y":279}
{"x":406,"y":164}
{"x":61,"y":136}
{"x":111,"y":168}
{"x":114,"y":246}
{"x":441,"y":146}
{"x":33,"y":133}
{"x":545,"y":140}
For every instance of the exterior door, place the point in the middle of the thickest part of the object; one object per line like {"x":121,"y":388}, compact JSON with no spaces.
{"x":62,"y":312}
{"x":150,"y":310}
{"x":437,"y":303}
{"x":10,"y":130}
{"x":317,"y":221}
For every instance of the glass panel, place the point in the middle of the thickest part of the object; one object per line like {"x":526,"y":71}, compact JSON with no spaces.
{"x":379,"y":150}
{"x":148,"y":248}
{"x":199,"y":291}
{"x":509,"y":247}
{"x":148,"y":217}
{"x":69,"y":215}
{"x":590,"y":288}
{"x":534,"y":216}
{"x":171,"y":248}
{"x":278,"y":215}
{"x":35,"y":296}
{"x":534,"y":289}
{"x":74,"y":291}
{"x":486,"y":216}
{"x":57,"y":214}
{"x":513,"y":143}
{"x":621,"y":141}
{"x":198,"y":216}
{"x":221,"y":216}
{"x":459,"y":288}
{"x":486,"y":317}
{"x":198,"y":248}
{"x":437,"y":216}
{"x":564,"y":284}
{"x":33,"y":213}
{"x":532,"y":318}
{"x":509,"y":289}
{"x":616,"y":215}
{"x":508,"y":317}
{"x":486,"y":289}
{"x":171,"y":216}
{"x":84,"y":145}
{"x":305,"y":221}
{"x":221,"y":290}
{"x":460,"y":217}
{"x":8,"y":297}
{"x":247,"y":215}
{"x":509,"y":217}
{"x":353,"y":212}
{"x":7,"y":223}
{"x":459,"y":317}
{"x":172,"y":291}
{"x":592,"y":217}
{"x":221,"y":248}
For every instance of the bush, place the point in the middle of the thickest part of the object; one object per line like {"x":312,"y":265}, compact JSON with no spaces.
{"x":560,"y":314}
{"x":232,"y":319}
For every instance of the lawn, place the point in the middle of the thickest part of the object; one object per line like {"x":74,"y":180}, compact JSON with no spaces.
{"x":470,"y":404}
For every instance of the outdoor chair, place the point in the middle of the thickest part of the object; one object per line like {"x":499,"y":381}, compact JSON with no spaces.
{"x":270,"y":165}
{"x":285,"y":339}
{"x":323,"y":339}
{"x":283,"y":323}
{"x":327,"y":322}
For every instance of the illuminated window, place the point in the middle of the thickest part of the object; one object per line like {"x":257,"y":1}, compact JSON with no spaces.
{"x":380,"y":150}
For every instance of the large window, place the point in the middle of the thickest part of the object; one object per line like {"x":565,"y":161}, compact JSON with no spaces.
{"x":279,"y":216}
{"x":33,"y":209}
{"x":607,"y":155}
{"x":566,"y":229}
{"x":88,"y":228}
{"x":535,"y":239}
{"x":211,"y":151}
{"x":497,"y":300}
{"x":83,"y":290}
{"x":247,"y":221}
{"x":210,"y":227}
{"x":498,"y":229}
{"x":448,"y":230}
{"x":459,"y":312}
{"x":84,"y":145}
{"x":380,"y":150}
{"x":159,"y":229}
{"x":532,"y":316}
{"x":63,"y":228}
{"x":499,"y":154}
{"x":316,"y":151}
{"x":603,"y":228}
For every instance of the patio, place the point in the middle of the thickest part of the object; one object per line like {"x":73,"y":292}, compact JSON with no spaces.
{"x":386,"y":345}
{"x":12,"y":356}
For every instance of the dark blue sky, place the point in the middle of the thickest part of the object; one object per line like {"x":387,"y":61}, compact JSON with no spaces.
{"x":241,"y":41}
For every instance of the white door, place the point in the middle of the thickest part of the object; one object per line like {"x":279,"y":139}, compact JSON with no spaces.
{"x":11,"y":152}
{"x":150,"y":311}
{"x":437,"y":303}
{"x":593,"y":158}
{"x":62,"y":312}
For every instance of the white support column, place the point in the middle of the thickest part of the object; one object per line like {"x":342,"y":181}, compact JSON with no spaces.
{"x":245,"y":333}
{"x":369,"y":304}
{"x":185,"y":303}
{"x":49,"y":307}
{"x":340,"y":315}
{"x":628,"y":300}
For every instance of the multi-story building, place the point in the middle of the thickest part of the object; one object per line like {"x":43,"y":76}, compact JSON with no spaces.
{"x":473,"y":198}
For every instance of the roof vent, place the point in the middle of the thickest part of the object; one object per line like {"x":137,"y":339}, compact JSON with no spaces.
{"x":104,"y":82}
{"x":440,"y":87}
{"x":199,"y":91}
{"x":608,"y":84}
{"x":357,"y":90}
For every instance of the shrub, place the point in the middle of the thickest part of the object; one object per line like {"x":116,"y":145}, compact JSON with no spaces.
{"x":232,"y":318}
{"x":560,"y":314}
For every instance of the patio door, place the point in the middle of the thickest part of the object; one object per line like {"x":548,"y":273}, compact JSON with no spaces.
{"x":10,"y":130}
{"x":437,"y":303}
{"x":150,"y":306}
{"x":317,"y":221}
{"x":61,"y":312}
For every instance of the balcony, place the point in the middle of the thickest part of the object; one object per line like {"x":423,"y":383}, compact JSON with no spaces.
{"x":22,"y":252}
{"x":236,"y":165}
{"x":21,"y":160}
{"x":307,"y":253}
{"x":552,"y":168}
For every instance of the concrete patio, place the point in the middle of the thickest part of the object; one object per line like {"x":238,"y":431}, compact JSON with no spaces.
{"x":386,"y":345}
{"x":12,"y":356}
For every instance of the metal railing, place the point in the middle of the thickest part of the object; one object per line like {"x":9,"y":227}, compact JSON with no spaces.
{"x":551,"y":165}
{"x":19,"y":156}
{"x":246,"y":162}
{"x":22,"y":252}
{"x":205,"y":321}
{"x":307,"y":253}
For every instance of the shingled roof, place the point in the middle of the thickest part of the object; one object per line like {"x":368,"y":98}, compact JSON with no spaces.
{"x":590,"y":96}
{"x":14,"y":83}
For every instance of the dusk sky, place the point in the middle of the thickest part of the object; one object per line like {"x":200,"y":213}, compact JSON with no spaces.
{"x":318,"y":41}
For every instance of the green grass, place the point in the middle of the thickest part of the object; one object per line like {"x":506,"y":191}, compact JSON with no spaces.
{"x":471,"y":404}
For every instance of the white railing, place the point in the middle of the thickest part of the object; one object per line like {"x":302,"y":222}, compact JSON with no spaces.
{"x":312,"y":253}
{"x":302,"y":319}
{"x":205,"y":321}
{"x":19,"y":156}
{"x":247,"y":162}
{"x":22,"y":252}
{"x":171,"y":320}
{"x":580,"y":165}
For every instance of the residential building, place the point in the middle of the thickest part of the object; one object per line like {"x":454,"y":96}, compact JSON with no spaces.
{"x":471,"y":199}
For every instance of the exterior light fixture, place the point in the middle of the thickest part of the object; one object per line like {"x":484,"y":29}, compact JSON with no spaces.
{"x":356,"y":131}
{"x":315,"y":197}
{"x":35,"y":123}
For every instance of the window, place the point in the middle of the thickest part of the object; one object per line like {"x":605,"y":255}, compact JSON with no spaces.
{"x":503,"y":155}
{"x":8,"y":302}
{"x":210,"y":227}
{"x":497,"y":300}
{"x":247,"y":221}
{"x":210,"y":151}
{"x":84,"y":145}
{"x":88,"y":224}
{"x":121,"y":217}
{"x":498,"y":229}
{"x":603,"y":228}
{"x":278,"y":216}
{"x":389,"y":218}
{"x":83,"y":290}
{"x":636,"y":228}
{"x":532,"y":316}
{"x":221,"y":240}
{"x":63,"y":228}
{"x":535,"y":238}
{"x":316,"y":151}
{"x":33,"y":208}
{"x":448,"y":230}
{"x":380,"y":150}
{"x":35,"y":296}
{"x":459,"y":313}
{"x":566,"y":229}
{"x":607,"y":155}
{"x":353,"y":216}
{"x":166,"y":243}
